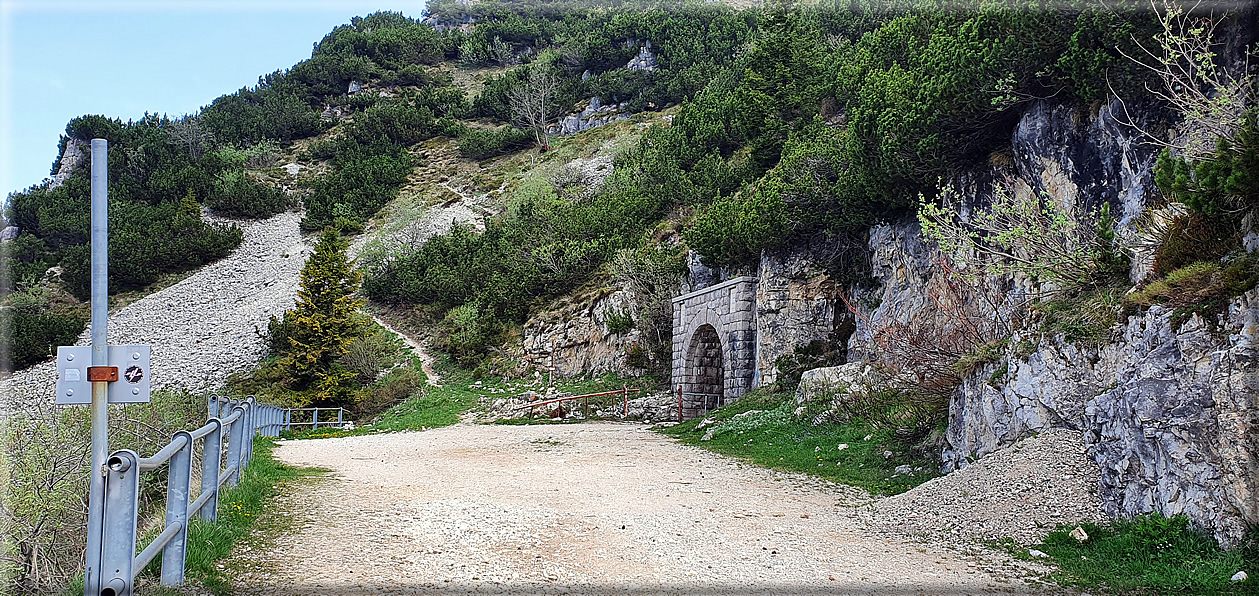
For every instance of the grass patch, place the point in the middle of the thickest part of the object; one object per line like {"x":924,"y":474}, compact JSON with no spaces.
{"x":240,"y":508}
{"x":462,"y":392}
{"x":1151,"y":554}
{"x":1085,"y":317}
{"x":760,"y":427}
{"x":1203,"y":288}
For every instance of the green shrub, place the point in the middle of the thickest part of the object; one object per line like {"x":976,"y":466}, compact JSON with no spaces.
{"x":44,"y":460}
{"x":1085,"y":316}
{"x":816,"y":354}
{"x":1204,"y":288}
{"x":467,"y":331}
{"x":366,"y":356}
{"x":618,"y":322}
{"x":364,"y":179}
{"x":33,"y":337}
{"x":476,"y":143}
{"x":394,"y":388}
{"x":1195,"y":237}
{"x":236,"y":194}
{"x":1219,"y":185}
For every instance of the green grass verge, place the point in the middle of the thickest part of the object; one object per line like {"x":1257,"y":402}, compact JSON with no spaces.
{"x":239,"y":510}
{"x":460,"y":393}
{"x":209,"y":543}
{"x":771,"y":436}
{"x":1151,"y":554}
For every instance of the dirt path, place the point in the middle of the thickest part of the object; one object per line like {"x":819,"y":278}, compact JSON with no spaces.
{"x":589,"y":508}
{"x":426,"y":359}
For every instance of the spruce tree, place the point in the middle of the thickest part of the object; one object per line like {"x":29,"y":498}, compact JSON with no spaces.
{"x":325,"y":321}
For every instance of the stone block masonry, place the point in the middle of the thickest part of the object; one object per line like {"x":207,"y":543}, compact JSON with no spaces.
{"x":714,"y":344}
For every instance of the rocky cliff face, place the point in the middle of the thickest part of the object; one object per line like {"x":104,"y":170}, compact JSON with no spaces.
{"x":575,"y":332}
{"x":1169,"y":413}
{"x":795,"y":304}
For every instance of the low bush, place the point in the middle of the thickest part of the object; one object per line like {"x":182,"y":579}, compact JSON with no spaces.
{"x":1223,"y":183}
{"x":1202,"y":288}
{"x":815,"y":354}
{"x":476,"y":143}
{"x":397,"y":386}
{"x":1083,"y":317}
{"x":618,"y":322}
{"x":34,"y":322}
{"x":236,"y":194}
{"x":368,"y":355}
{"x":1195,"y":237}
{"x":147,"y":241}
{"x":44,"y":460}
{"x":363,"y":179}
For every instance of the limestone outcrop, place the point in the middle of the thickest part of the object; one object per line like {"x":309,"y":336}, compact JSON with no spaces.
{"x":1170,"y":414}
{"x":1168,"y":411}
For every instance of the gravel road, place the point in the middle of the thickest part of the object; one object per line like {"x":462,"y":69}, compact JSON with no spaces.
{"x":589,"y":508}
{"x":201,"y":328}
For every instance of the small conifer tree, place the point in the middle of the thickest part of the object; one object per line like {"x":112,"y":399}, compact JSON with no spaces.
{"x":325,"y":321}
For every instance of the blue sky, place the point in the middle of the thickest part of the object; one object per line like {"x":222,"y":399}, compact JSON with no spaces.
{"x":62,"y":59}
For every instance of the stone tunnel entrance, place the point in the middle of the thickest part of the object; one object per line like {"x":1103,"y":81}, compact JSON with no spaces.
{"x":704,"y":385}
{"x":714,"y":345}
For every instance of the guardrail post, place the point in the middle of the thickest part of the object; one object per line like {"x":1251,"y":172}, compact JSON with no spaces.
{"x":177,"y":485}
{"x":211,"y":459}
{"x":235,"y":438}
{"x":340,"y":417}
{"x":121,"y":511}
{"x":247,"y":435}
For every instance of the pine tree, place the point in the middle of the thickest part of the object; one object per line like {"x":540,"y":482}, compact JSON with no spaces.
{"x":325,"y":321}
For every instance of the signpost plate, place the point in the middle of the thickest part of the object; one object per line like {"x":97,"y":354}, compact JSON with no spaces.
{"x":134,"y":375}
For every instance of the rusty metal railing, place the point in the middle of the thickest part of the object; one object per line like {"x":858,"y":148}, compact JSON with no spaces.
{"x":624,"y":392}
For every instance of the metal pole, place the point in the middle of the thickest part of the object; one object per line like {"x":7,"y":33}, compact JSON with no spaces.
{"x":234,"y":439}
{"x":211,"y":458}
{"x":179,"y":479}
{"x":100,"y":357}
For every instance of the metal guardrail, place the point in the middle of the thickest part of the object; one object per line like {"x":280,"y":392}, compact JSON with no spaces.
{"x":238,"y":422}
{"x":278,"y":419}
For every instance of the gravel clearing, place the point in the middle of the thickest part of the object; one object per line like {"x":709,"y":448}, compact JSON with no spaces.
{"x":588,"y":508}
{"x":1022,"y":492}
{"x":201,"y":328}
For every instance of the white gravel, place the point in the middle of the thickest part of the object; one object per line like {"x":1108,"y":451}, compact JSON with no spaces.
{"x":589,"y":508}
{"x":1022,"y":492}
{"x":202,"y":328}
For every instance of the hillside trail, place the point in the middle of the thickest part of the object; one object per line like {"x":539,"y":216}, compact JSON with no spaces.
{"x":427,"y":360}
{"x":586,"y":508}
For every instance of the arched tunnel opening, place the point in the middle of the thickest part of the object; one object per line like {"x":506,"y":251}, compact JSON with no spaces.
{"x":705,"y":383}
